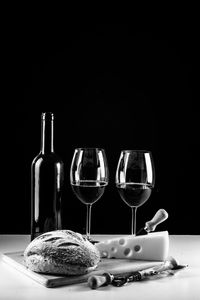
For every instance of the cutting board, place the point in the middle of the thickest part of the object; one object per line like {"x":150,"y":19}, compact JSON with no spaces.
{"x":114,"y":266}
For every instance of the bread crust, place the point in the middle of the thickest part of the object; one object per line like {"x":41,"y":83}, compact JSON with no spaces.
{"x":61,"y":252}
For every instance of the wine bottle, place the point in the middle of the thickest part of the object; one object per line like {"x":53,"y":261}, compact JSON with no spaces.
{"x":47,"y":175}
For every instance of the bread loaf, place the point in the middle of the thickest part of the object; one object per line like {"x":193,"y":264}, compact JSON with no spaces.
{"x":61,"y":252}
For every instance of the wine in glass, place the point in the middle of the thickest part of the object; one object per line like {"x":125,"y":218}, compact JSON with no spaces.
{"x":135,"y":178}
{"x":88,"y":178}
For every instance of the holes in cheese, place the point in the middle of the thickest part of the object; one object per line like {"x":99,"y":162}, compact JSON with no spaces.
{"x":137,"y":248}
{"x":122,"y":241}
{"x":127,"y":251}
{"x":114,"y":249}
{"x":153,"y":246}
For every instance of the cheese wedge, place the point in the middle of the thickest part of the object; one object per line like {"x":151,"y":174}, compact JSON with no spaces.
{"x":153,"y":246}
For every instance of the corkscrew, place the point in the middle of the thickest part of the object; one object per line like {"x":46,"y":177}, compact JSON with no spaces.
{"x":160,"y":216}
{"x":169,"y":267}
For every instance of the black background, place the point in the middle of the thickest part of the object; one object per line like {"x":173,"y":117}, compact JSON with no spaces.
{"x":112,"y":86}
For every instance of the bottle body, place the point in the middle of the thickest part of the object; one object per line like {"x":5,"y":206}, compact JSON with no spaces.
{"x":47,"y":175}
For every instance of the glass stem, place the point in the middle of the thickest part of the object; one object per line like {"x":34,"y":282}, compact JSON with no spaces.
{"x":133,"y":220}
{"x":88,"y":221}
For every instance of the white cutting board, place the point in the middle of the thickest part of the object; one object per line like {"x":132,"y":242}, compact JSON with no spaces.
{"x":114,"y":266}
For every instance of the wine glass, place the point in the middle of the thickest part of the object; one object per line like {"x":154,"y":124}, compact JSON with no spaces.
{"x":88,"y":178}
{"x":135,"y":178}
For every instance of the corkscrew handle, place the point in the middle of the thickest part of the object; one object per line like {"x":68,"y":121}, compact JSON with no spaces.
{"x":96,"y":281}
{"x":159,"y":217}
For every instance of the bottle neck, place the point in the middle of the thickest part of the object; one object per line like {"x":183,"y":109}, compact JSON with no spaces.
{"x":47,"y":133}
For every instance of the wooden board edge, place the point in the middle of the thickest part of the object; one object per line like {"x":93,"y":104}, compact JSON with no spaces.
{"x":61,"y":280}
{"x":47,"y":282}
{"x":37,"y":277}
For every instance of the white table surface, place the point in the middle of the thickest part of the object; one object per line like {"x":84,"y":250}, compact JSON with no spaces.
{"x":184,"y":285}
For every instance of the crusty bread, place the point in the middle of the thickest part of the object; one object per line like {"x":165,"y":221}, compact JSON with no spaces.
{"x":61,"y":252}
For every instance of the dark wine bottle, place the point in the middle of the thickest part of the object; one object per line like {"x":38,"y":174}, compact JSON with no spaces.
{"x":47,"y":175}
